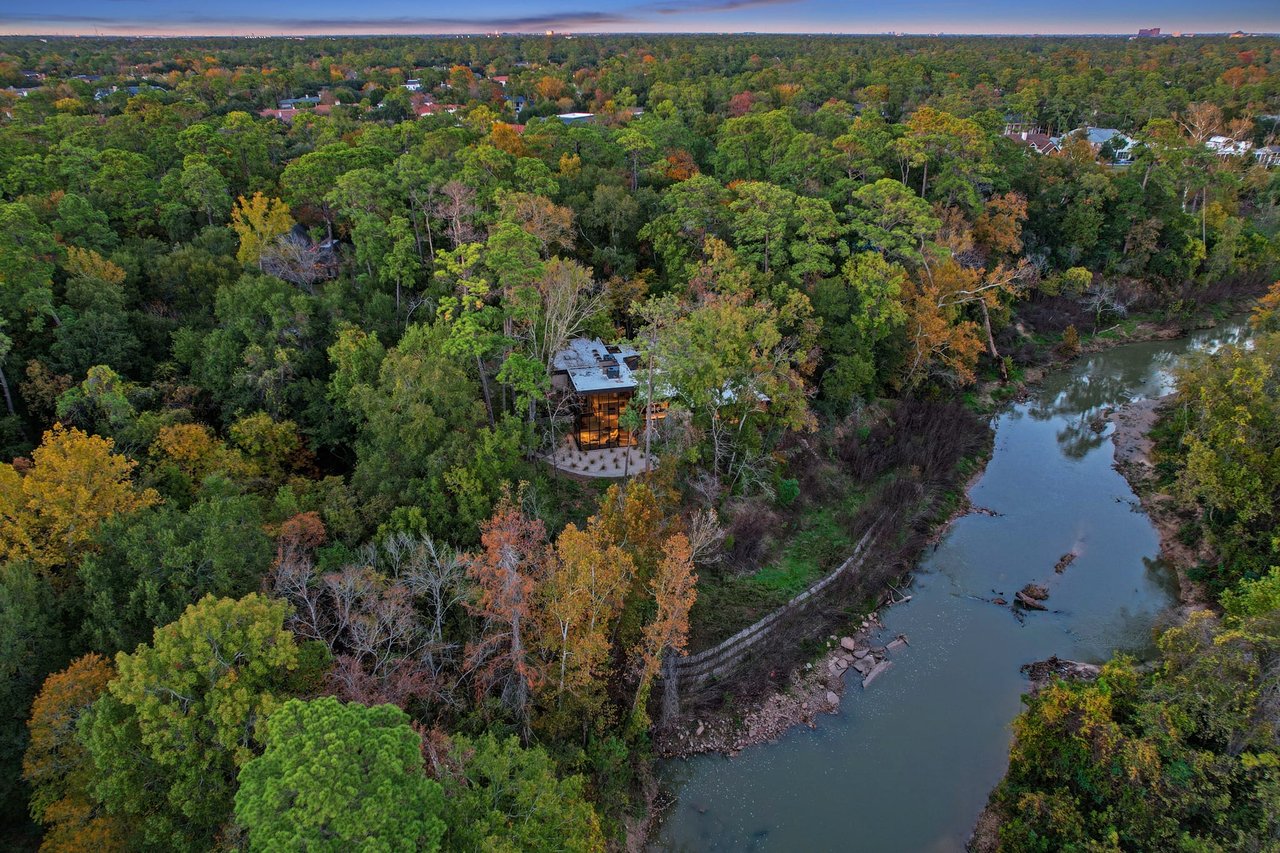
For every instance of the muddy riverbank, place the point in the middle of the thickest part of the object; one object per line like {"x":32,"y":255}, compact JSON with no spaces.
{"x":1134,"y":460}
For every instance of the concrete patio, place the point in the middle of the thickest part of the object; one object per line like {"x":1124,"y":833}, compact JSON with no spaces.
{"x":610,"y":462}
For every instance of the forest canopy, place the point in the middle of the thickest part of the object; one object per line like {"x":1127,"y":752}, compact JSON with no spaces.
{"x":278,"y":342}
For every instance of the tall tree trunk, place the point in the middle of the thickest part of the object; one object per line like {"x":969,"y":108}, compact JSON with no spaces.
{"x":648,"y":408}
{"x":484,"y":386}
{"x":8,"y":398}
{"x":991,"y":341}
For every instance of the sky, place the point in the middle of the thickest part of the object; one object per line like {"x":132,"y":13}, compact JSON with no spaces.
{"x":302,"y":17}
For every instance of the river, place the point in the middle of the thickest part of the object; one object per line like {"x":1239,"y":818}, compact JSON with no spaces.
{"x":907,"y":765}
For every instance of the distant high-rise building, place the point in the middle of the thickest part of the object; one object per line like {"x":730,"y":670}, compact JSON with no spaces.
{"x":1153,"y":32}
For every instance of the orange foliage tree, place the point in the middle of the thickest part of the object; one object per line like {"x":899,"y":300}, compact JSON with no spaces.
{"x":506,"y":138}
{"x":75,"y":484}
{"x":999,"y":227}
{"x":513,"y":556}
{"x":1266,"y":314}
{"x":674,"y":588}
{"x":58,"y":767}
{"x":938,"y":332}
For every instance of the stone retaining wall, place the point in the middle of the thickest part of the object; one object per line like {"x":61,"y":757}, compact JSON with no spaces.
{"x":686,"y":678}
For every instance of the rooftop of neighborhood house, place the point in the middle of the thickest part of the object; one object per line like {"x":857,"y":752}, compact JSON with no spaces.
{"x":594,"y":366}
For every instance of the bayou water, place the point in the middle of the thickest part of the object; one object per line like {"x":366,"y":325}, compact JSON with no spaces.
{"x":906,"y":766}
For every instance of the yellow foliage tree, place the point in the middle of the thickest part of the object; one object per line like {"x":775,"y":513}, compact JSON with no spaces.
{"x":87,"y":263}
{"x":258,"y":221}
{"x":76,"y":483}
{"x":195,"y":451}
{"x":580,"y":599}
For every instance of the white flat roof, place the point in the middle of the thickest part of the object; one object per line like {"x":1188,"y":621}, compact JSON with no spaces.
{"x":591,"y":366}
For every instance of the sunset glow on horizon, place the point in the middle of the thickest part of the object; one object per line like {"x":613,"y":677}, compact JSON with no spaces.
{"x":329,"y":17}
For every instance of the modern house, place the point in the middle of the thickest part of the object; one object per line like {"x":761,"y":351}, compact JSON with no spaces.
{"x":576,"y":118}
{"x":295,"y":103}
{"x":602,"y":380}
{"x":413,"y":85}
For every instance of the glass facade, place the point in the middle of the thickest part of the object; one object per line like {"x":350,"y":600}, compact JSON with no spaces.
{"x":597,"y":422}
{"x":596,"y":425}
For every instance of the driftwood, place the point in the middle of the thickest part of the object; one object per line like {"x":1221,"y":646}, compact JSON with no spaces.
{"x":1064,"y":561}
{"x":1031,"y":595}
{"x":876,"y":672}
{"x":1041,"y":671}
{"x":1029,"y":602}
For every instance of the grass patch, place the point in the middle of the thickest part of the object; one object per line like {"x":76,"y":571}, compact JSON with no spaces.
{"x":821,"y":545}
{"x":816,"y":542}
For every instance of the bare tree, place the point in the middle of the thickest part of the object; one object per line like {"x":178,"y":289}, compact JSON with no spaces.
{"x":457,"y":207}
{"x":569,"y":298}
{"x":370,"y":619}
{"x":1200,"y":120}
{"x":705,"y":536}
{"x":436,"y":575}
{"x":293,"y":258}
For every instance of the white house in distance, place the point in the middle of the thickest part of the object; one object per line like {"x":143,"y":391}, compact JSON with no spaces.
{"x":1225,"y":146}
{"x":1268,"y":156}
{"x":1122,"y":146}
{"x":413,"y":85}
{"x":576,"y":118}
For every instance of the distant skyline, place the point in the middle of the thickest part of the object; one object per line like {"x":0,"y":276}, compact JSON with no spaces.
{"x":333,"y":17}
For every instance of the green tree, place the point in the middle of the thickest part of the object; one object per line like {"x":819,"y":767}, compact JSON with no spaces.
{"x":506,"y":799}
{"x":339,"y":777}
{"x":126,"y":188}
{"x":204,"y":188}
{"x":33,"y":643}
{"x":152,"y":565}
{"x":26,"y":267}
{"x":890,"y":218}
{"x":182,"y":718}
{"x":862,"y":317}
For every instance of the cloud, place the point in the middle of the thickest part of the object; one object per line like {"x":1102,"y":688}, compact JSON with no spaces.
{"x":558,"y":20}
{"x":634,"y":16}
{"x":718,"y":6}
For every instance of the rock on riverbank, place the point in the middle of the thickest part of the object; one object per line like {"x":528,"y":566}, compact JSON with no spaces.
{"x":812,"y":690}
